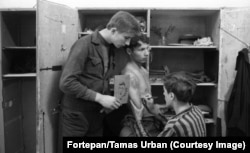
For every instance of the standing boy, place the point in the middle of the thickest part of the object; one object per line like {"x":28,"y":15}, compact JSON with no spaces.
{"x":85,"y":78}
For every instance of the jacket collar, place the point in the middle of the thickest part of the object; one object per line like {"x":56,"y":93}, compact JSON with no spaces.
{"x":95,"y":39}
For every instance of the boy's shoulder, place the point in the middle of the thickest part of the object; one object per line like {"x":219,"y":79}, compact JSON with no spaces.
{"x":129,"y":70}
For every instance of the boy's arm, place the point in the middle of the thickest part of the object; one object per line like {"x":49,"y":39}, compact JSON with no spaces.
{"x":135,"y":101}
{"x":69,"y":81}
{"x":134,"y":93}
{"x":73,"y":69}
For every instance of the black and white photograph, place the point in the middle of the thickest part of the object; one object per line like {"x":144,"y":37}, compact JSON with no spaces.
{"x":81,"y":75}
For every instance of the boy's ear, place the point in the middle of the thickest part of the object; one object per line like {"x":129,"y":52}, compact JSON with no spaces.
{"x":172,"y":95}
{"x":129,"y":51}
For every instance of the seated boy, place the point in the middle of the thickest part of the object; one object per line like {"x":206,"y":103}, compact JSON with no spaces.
{"x":141,"y":121}
{"x":189,"y":120}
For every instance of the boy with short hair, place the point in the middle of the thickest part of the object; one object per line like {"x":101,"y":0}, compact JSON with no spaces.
{"x":85,"y":77}
{"x":141,"y":121}
{"x":189,"y":120}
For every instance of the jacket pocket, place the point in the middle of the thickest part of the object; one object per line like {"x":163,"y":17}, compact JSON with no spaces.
{"x":94,"y":67}
{"x":95,"y":60}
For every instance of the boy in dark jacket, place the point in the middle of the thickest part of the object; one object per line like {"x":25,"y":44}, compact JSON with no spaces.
{"x":86,"y":74}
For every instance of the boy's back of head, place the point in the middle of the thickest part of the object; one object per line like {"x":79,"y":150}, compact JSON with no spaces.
{"x":135,"y":41}
{"x":181,"y":85}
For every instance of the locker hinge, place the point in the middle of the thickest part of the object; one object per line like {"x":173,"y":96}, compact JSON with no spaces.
{"x":53,"y":68}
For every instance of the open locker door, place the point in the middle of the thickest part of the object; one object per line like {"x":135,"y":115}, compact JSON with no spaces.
{"x":2,"y":147}
{"x":17,"y":88}
{"x":57,"y":31}
{"x":234,"y":35}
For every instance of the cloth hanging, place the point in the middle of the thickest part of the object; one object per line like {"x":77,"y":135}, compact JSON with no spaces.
{"x":238,"y":115}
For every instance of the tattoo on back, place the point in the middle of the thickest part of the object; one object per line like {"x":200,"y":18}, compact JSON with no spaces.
{"x":134,"y":82}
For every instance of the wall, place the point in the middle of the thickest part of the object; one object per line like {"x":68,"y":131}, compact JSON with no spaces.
{"x":131,"y":3}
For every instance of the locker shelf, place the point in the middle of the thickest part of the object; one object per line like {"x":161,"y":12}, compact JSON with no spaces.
{"x":19,"y":48}
{"x":159,"y":83}
{"x":19,"y":75}
{"x":184,"y":47}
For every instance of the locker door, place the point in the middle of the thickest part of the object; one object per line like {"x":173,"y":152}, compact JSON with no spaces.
{"x":11,"y":133}
{"x":57,"y":31}
{"x":12,"y":116}
{"x":2,"y":147}
{"x":234,"y":33}
{"x":17,"y":92}
{"x":234,"y":23}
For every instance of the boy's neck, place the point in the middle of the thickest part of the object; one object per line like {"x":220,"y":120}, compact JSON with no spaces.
{"x":105,"y":33}
{"x":136,"y":64}
{"x":180,"y":107}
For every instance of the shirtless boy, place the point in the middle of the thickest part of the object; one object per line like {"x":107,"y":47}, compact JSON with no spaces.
{"x":140,"y":99}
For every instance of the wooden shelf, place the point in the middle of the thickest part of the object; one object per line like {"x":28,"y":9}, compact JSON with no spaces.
{"x":185,"y":47}
{"x":159,"y":83}
{"x":87,"y":33}
{"x":14,"y":75}
{"x":207,"y":84}
{"x":19,"y":47}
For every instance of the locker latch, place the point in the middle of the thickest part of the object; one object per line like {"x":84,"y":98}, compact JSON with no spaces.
{"x":8,"y":104}
{"x":56,"y":109}
{"x":53,"y":68}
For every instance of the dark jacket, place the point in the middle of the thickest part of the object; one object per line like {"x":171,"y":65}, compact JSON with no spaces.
{"x":83,"y":74}
{"x":238,"y":115}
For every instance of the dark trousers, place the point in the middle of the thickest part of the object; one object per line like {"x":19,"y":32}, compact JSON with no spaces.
{"x":113,"y":120}
{"x":74,"y":123}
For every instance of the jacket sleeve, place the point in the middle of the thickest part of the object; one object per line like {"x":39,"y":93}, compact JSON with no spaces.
{"x":69,"y":81}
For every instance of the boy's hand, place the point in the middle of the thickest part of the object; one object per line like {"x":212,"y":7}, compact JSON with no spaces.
{"x":107,"y":101}
{"x":148,"y":98}
{"x":160,"y":109}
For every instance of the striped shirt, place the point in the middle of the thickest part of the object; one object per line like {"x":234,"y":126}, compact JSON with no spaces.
{"x":189,"y":123}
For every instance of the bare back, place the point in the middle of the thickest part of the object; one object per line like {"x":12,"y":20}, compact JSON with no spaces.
{"x":139,"y":84}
